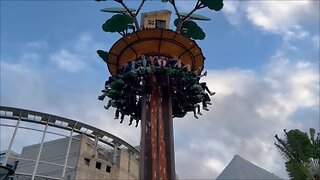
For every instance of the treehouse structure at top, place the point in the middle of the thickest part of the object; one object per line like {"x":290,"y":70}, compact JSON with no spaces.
{"x":155,"y":76}
{"x":155,"y":19}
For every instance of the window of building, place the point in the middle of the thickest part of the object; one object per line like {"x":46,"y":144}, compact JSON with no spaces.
{"x":98,"y":165}
{"x":160,"y":24}
{"x":108,"y":169}
{"x":150,"y":22}
{"x":87,"y":161}
{"x":69,"y":177}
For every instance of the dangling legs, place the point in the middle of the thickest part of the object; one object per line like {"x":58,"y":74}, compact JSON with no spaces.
{"x":117,"y":114}
{"x":122,"y":117}
{"x":131,"y":120}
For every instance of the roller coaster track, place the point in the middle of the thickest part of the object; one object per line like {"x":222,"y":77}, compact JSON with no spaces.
{"x":64,"y":123}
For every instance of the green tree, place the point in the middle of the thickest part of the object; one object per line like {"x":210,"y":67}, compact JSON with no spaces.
{"x":191,"y":30}
{"x":118,"y":23}
{"x":301,"y":153}
{"x":103,"y":55}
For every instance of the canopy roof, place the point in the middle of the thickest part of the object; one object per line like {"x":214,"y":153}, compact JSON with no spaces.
{"x":116,"y":10}
{"x":195,"y":16}
{"x":240,"y":168}
{"x":154,"y":42}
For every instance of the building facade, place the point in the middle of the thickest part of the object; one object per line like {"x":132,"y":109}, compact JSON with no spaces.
{"x":85,"y":161}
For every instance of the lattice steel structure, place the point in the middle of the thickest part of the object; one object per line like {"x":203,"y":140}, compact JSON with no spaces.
{"x":100,"y":138}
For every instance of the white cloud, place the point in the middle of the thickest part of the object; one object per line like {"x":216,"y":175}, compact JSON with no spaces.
{"x":77,"y":55}
{"x":215,"y":165}
{"x":282,"y":17}
{"x":286,"y":18}
{"x":231,"y":11}
{"x":68,"y":61}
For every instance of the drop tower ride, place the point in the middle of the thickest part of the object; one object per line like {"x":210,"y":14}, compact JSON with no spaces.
{"x":155,"y":75}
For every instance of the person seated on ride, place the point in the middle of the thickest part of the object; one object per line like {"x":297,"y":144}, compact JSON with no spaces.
{"x":123,"y":114}
{"x":116,"y":116}
{"x":114,"y":94}
{"x":155,"y":61}
{"x":117,"y":84}
{"x":178,"y":63}
{"x":124,"y":68}
{"x":198,"y":107}
{"x":111,"y":102}
{"x":187,"y":67}
{"x":162,"y":61}
{"x":136,"y":117}
{"x":187,"y":81}
{"x":158,"y":71}
{"x":106,"y":86}
{"x":206,"y":96}
{"x":200,"y":95}
{"x":150,"y":64}
{"x":121,"y":107}
{"x":141,"y":66}
{"x":136,"y":114}
{"x":194,"y":97}
{"x":191,"y":107}
{"x":171,"y":62}
{"x":177,"y":107}
{"x":130,"y":76}
{"x":138,"y":63}
{"x":143,"y":61}
{"x":130,"y":65}
{"x":179,"y":114}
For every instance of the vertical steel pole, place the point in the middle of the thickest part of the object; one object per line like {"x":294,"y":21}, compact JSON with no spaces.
{"x":95,"y":153}
{"x":115,"y":153}
{"x":11,"y":141}
{"x":67,"y":155}
{"x":129,"y":161}
{"x":40,"y":150}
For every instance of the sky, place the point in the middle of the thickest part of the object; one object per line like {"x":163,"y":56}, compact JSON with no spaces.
{"x":262,"y":59}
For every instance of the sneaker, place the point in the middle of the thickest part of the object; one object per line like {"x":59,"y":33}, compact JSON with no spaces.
{"x":130,"y":124}
{"x":101,"y":98}
{"x":196,"y":116}
{"x":106,"y":107}
{"x":116,"y":117}
{"x":200,"y":113}
{"x":208,"y":102}
{"x":212,"y":93}
{"x":205,"y":108}
{"x":121,"y":121}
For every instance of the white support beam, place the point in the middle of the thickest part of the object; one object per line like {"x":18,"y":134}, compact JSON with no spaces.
{"x":12,"y":140}
{"x":67,"y":154}
{"x":39,"y":153}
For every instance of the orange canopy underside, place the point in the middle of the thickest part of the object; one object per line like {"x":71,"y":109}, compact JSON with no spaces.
{"x":154,"y":42}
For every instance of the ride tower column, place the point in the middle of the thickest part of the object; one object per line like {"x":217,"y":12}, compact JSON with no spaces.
{"x":157,"y":142}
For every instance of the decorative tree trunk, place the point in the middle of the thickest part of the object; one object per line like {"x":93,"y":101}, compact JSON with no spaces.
{"x":157,"y":147}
